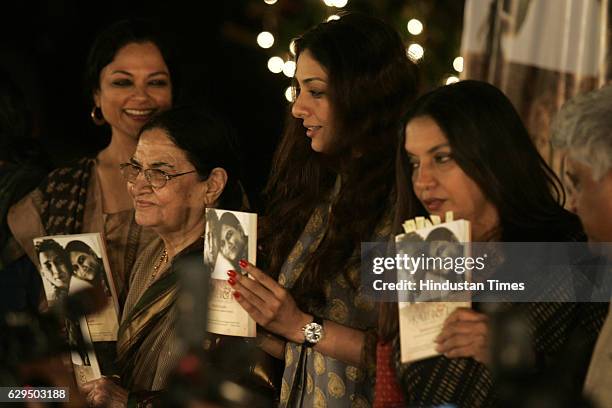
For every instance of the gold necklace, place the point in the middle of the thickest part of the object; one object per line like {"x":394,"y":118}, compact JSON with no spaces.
{"x":162,"y":260}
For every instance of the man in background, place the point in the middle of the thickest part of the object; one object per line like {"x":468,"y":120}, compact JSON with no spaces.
{"x":583,"y":128}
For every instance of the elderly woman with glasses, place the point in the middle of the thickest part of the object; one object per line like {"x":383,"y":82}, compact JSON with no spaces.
{"x":184,"y":162}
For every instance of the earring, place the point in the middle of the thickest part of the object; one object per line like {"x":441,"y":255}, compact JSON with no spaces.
{"x":96,"y":116}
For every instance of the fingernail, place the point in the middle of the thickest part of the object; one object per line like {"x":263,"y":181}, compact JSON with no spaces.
{"x":237,"y":295}
{"x":231,"y":273}
{"x":231,"y":281}
{"x":243,"y":263}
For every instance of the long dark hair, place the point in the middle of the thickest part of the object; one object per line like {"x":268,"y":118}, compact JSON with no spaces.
{"x":370,"y":83}
{"x":492,"y":146}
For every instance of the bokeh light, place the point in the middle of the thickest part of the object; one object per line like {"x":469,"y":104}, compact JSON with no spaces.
{"x":414,"y":26}
{"x":289,"y":94}
{"x":458,"y":64}
{"x":415,"y":51}
{"x":265,"y":39}
{"x":275,"y":65}
{"x":451,"y":80}
{"x":289,"y":68}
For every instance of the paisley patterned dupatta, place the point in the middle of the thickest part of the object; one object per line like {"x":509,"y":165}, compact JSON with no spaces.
{"x":64,"y":194}
{"x":311,"y":378}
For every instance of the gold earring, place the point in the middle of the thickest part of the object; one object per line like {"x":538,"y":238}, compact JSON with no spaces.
{"x":96,"y":116}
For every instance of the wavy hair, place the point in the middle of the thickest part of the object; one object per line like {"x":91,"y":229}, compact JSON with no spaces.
{"x":371,"y":83}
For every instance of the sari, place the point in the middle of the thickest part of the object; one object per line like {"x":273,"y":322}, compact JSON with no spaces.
{"x":147,"y":344}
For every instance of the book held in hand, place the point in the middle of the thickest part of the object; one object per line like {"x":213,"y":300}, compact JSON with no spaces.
{"x":433,"y":246}
{"x":230,"y":236}
{"x":69,"y":264}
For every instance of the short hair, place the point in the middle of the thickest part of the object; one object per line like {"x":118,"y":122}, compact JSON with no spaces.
{"x":51,"y":245}
{"x":119,"y":34}
{"x":231,"y":220}
{"x":583,"y":126}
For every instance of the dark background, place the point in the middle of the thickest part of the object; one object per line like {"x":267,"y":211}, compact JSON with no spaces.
{"x":43,"y":47}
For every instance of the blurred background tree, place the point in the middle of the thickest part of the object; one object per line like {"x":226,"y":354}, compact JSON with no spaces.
{"x":43,"y":45}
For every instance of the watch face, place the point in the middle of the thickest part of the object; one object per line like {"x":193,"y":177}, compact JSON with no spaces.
{"x":313,"y":332}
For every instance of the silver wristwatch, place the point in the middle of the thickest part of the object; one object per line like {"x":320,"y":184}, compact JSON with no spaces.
{"x":313,"y":332}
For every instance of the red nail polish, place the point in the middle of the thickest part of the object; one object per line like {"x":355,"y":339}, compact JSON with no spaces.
{"x":231,"y":281}
{"x":231,"y":273}
{"x":237,"y":295}
{"x":243,"y":263}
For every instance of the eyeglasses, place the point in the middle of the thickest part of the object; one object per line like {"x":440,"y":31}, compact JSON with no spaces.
{"x":155,"y":177}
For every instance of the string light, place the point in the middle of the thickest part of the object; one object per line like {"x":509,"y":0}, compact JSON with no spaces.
{"x":289,"y":94}
{"x":458,"y":64}
{"x":289,"y":69}
{"x":414,"y":26}
{"x":265,"y":39}
{"x":270,"y":2}
{"x":275,"y":65}
{"x":333,"y":17}
{"x":292,"y":47}
{"x":451,"y":80}
{"x":415,"y":52}
{"x":335,"y":3}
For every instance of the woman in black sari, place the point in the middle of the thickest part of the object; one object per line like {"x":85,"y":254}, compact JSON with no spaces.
{"x":465,"y":149}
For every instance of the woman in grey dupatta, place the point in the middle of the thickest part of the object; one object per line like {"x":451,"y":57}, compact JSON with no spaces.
{"x":330,"y":189}
{"x":184,"y":162}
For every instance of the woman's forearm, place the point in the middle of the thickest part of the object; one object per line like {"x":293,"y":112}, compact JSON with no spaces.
{"x":272,"y":345}
{"x":342,"y":343}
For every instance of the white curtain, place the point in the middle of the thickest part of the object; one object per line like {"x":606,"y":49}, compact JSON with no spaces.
{"x":540,"y":53}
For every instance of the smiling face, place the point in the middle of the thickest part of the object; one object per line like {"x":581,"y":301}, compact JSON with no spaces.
{"x":591,"y":200}
{"x":84,"y":265}
{"x":312,"y":103}
{"x":179,"y":205}
{"x":133,"y":87}
{"x":55,"y":269}
{"x":440,"y":184}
